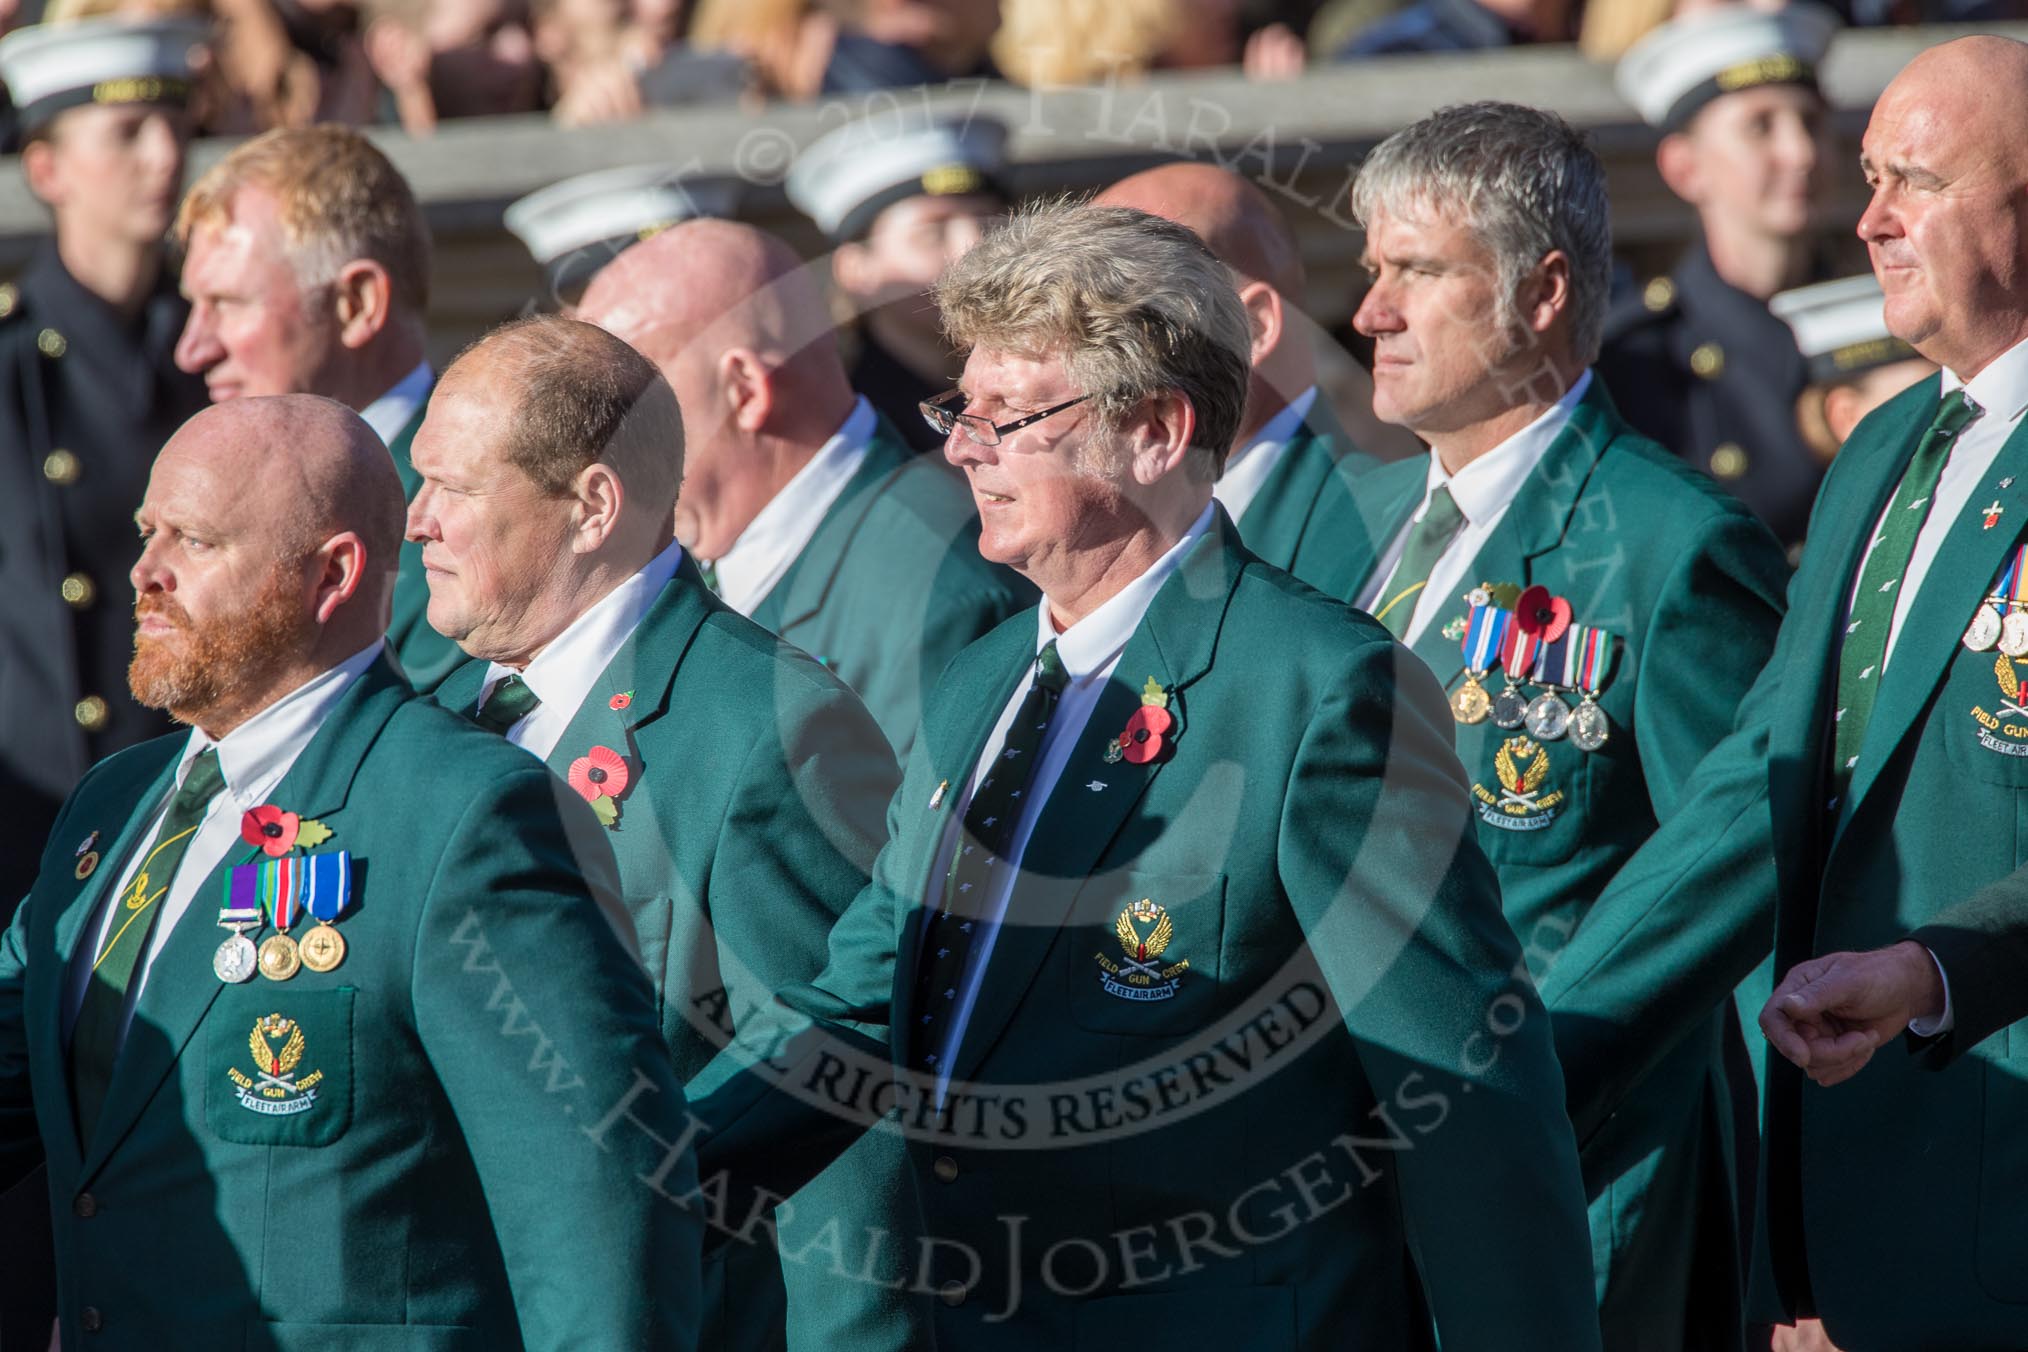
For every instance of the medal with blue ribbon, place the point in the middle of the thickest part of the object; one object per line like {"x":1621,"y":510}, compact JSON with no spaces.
{"x":1485,"y":641}
{"x":327,"y":894}
{"x":1593,"y":656}
{"x":1510,"y":706}
{"x":282,"y":898}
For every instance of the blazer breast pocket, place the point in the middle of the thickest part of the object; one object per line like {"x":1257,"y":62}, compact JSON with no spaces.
{"x":1531,"y":795}
{"x":1984,"y":710}
{"x":278,"y":1065}
{"x":1144,"y":952}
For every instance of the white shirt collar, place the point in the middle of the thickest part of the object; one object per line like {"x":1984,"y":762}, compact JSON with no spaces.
{"x":1484,"y":488}
{"x":1091,"y":646}
{"x":774,"y":539}
{"x":391,"y":412}
{"x":254,"y":756}
{"x":564,"y":672}
{"x":2002,"y":388}
{"x":1248,"y":468}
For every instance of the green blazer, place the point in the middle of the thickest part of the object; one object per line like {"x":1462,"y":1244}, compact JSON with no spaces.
{"x":754,"y":806}
{"x":442,"y":1190}
{"x":1924,"y":1145}
{"x":1306,"y":836}
{"x":1305,"y":519}
{"x":891,"y":586}
{"x":1689,"y":583}
{"x":426,"y":656}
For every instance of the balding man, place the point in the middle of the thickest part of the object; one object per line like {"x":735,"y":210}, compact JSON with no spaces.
{"x":1287,"y":482}
{"x":805,"y":506}
{"x":1866,"y":812}
{"x":742,"y":786}
{"x":313,"y":1005}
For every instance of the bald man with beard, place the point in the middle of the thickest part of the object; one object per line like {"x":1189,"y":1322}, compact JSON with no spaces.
{"x":373,"y":1121}
{"x":804,"y":507}
{"x":1287,"y":483}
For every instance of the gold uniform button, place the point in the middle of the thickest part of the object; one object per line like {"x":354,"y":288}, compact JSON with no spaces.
{"x":9,"y":296}
{"x":945,"y":1168}
{"x":1658,"y":294}
{"x":51,"y":343}
{"x":1707,"y":360}
{"x":91,"y":713}
{"x":61,"y":467}
{"x":79,"y":591}
{"x":952,"y":1294}
{"x":1728,"y":461}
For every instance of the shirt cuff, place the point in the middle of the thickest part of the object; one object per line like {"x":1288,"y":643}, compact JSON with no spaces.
{"x":1945,"y":1021}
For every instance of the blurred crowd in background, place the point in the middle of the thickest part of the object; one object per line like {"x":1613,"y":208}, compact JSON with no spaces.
{"x":416,"y":63}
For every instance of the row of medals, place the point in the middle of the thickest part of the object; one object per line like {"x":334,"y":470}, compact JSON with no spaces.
{"x":279,"y":957}
{"x":1988,"y":630}
{"x":1547,"y":717}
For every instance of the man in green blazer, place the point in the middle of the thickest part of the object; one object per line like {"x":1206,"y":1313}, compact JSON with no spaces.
{"x":809,"y":512}
{"x":1663,"y":592}
{"x":1208,"y":1021}
{"x":263,"y":321}
{"x":1288,"y":481}
{"x":388,"y":1125}
{"x":741,"y":785}
{"x":1864,"y":815}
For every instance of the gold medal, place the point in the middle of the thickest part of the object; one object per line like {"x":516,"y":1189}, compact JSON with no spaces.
{"x":322,"y":949}
{"x":1471,"y":704}
{"x":280,"y":959}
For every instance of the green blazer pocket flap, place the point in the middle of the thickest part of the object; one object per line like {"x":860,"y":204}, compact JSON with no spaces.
{"x":278,"y":1065}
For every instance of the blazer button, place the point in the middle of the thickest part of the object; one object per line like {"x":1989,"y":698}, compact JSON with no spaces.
{"x":945,"y":1168}
{"x":61,"y":467}
{"x":79,"y":591}
{"x":84,"y":1206}
{"x":90,"y":1320}
{"x":91,"y":713}
{"x":1707,"y":361}
{"x":51,"y":344}
{"x":952,"y":1294}
{"x":1728,"y":461}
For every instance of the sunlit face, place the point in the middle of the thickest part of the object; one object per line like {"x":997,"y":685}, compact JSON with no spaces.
{"x":1047,"y":491}
{"x":493,"y":540}
{"x":1758,"y":157}
{"x":116,"y":169}
{"x":910,"y":245}
{"x":1443,"y":335}
{"x":253,"y":328}
{"x":1944,"y":229}
{"x":224,"y":594}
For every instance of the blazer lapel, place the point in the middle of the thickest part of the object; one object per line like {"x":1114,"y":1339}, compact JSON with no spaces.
{"x":1386,"y":498}
{"x":802,"y":591}
{"x":180,"y":987}
{"x":1280,"y":512}
{"x":1079,"y":823}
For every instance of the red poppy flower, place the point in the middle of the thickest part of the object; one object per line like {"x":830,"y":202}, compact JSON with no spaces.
{"x":1537,"y":612}
{"x":602,"y":774}
{"x":1143,"y":739}
{"x":270,"y":828}
{"x":618,"y":702}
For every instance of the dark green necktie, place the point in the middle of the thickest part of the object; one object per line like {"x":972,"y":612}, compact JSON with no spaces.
{"x":101,"y":1019}
{"x":983,"y":847}
{"x":1872,"y":617}
{"x":709,"y":571}
{"x":510,"y":701}
{"x":1427,"y":540}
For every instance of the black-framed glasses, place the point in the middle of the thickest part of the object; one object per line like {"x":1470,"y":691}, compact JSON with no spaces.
{"x":942,"y":414}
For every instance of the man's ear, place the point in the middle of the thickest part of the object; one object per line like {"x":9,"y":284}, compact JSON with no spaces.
{"x":601,"y":497}
{"x":1677,"y":161}
{"x":1160,"y":436}
{"x":852,"y":270}
{"x":363,"y":299}
{"x":341,"y":568}
{"x":1545,"y":294}
{"x":747,"y":385}
{"x":39,"y":168}
{"x":1264,"y":317}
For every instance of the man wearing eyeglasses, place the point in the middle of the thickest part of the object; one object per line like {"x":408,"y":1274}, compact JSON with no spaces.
{"x":807,"y":511}
{"x":1185,"y":973}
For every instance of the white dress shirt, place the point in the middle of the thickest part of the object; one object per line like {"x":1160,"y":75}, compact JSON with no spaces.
{"x":390,"y":413}
{"x":564,"y":672}
{"x":1089,"y":650}
{"x":1249,"y":467}
{"x":773,"y":540}
{"x":253,"y":757}
{"x":1483,"y":491}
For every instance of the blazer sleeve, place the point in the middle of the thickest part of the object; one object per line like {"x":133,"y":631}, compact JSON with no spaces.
{"x":540,"y":1025}
{"x":1982,"y":945}
{"x":1381,"y":864}
{"x":20,"y":1139}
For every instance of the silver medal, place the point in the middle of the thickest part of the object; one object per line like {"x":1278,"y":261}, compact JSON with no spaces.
{"x":235,"y":960}
{"x":2014,"y":634}
{"x":1589,"y":726}
{"x":1984,"y":630}
{"x":1548,"y":717}
{"x":1510,"y":708}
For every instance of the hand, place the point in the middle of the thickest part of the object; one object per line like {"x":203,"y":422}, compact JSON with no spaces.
{"x":1806,"y":1335}
{"x":1829,"y":1014}
{"x":1274,"y":53}
{"x":598,"y":92}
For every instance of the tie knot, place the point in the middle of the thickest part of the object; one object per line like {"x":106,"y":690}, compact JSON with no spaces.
{"x":1953,"y":413}
{"x":202,"y":781}
{"x":1443,"y":516}
{"x":1049,"y":672}
{"x":510,"y":701}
